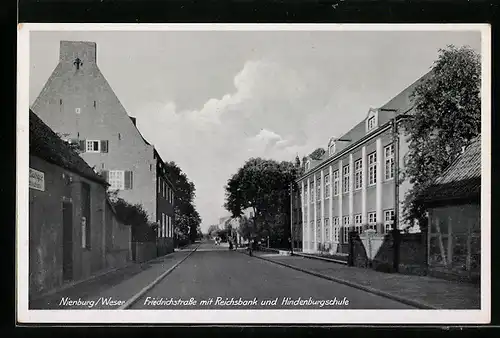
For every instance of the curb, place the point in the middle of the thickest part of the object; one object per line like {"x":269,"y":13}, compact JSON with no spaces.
{"x":377,"y":292}
{"x":138,"y":295}
{"x":320,"y":258}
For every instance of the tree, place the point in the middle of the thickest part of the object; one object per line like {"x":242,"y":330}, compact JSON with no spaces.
{"x":264,"y":186}
{"x":447,"y":116}
{"x":73,"y":144}
{"x":317,"y":154}
{"x":134,"y":215}
{"x":212,"y":230}
{"x":187,"y":219}
{"x":246,"y":227}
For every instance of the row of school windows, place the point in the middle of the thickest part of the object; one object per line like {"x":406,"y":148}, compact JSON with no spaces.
{"x":346,"y":222}
{"x":358,"y":176}
{"x":165,"y":191}
{"x":165,"y":228}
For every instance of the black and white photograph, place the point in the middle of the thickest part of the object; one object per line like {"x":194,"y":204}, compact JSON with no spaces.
{"x":253,"y":173}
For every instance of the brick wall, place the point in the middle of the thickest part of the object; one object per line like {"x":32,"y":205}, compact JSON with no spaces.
{"x":46,"y":245}
{"x":144,"y":251}
{"x":118,"y":240}
{"x":412,"y":253}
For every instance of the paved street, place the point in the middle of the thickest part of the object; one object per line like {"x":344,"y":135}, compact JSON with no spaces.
{"x":214,"y":271}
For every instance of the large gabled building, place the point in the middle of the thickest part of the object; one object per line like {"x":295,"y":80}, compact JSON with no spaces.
{"x":79,"y":104}
{"x":351,"y":187}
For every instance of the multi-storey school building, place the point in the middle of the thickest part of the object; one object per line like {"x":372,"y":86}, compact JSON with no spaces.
{"x":352,"y":187}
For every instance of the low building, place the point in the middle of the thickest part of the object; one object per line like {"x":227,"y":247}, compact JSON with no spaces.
{"x":73,"y":230}
{"x":351,"y":187}
{"x":453,"y":203}
{"x":235,"y":223}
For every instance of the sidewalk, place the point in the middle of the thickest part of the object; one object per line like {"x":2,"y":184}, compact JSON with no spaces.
{"x":119,"y":285}
{"x":419,"y":291}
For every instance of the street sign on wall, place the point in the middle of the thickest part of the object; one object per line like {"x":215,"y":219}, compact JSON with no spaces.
{"x":37,"y":180}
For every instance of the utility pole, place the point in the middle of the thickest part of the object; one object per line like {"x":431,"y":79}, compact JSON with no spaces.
{"x":395,"y":225}
{"x":395,"y":134}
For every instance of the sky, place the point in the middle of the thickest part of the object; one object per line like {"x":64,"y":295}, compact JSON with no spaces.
{"x":209,"y":100}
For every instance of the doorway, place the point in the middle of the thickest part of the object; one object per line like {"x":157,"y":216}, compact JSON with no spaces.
{"x":67,"y":209}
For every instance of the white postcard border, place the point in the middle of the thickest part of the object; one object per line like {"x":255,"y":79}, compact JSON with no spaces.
{"x":325,"y":316}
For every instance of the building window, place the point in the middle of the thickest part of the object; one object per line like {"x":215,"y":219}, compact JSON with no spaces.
{"x":388,"y":220}
{"x":336,"y":182}
{"x":372,"y":168}
{"x":327,"y":229}
{"x":372,"y":220}
{"x":345,"y":223}
{"x":93,"y":146}
{"x":358,"y":227}
{"x":308,"y":165}
{"x":117,"y":179}
{"x":318,"y":231}
{"x":371,"y":123}
{"x":331,"y":149}
{"x":318,"y":189}
{"x":327,"y":186}
{"x":358,"y":174}
{"x":120,"y":179}
{"x":346,"y":179}
{"x":336,"y":229}
{"x":389,"y":162}
{"x":165,"y":225}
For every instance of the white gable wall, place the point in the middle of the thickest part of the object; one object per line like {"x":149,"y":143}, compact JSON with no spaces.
{"x":101,"y":117}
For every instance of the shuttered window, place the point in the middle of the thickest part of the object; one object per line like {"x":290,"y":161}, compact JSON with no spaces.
{"x":94,"y":146}
{"x":118,"y":179}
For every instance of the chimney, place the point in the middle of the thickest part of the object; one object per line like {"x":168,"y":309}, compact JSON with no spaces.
{"x":133,"y":120}
{"x":85,"y":51}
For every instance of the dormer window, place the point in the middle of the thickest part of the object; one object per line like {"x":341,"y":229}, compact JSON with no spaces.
{"x":371,"y":120}
{"x":331,"y":149}
{"x":308,"y":165}
{"x":371,"y":123}
{"x":331,"y":146}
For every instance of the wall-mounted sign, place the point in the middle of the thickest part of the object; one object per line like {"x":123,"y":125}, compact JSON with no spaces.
{"x":37,"y":180}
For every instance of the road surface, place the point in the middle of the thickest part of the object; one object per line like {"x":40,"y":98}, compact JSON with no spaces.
{"x":214,"y":277}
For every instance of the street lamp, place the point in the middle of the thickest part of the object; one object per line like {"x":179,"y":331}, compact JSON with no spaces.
{"x":395,"y":140}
